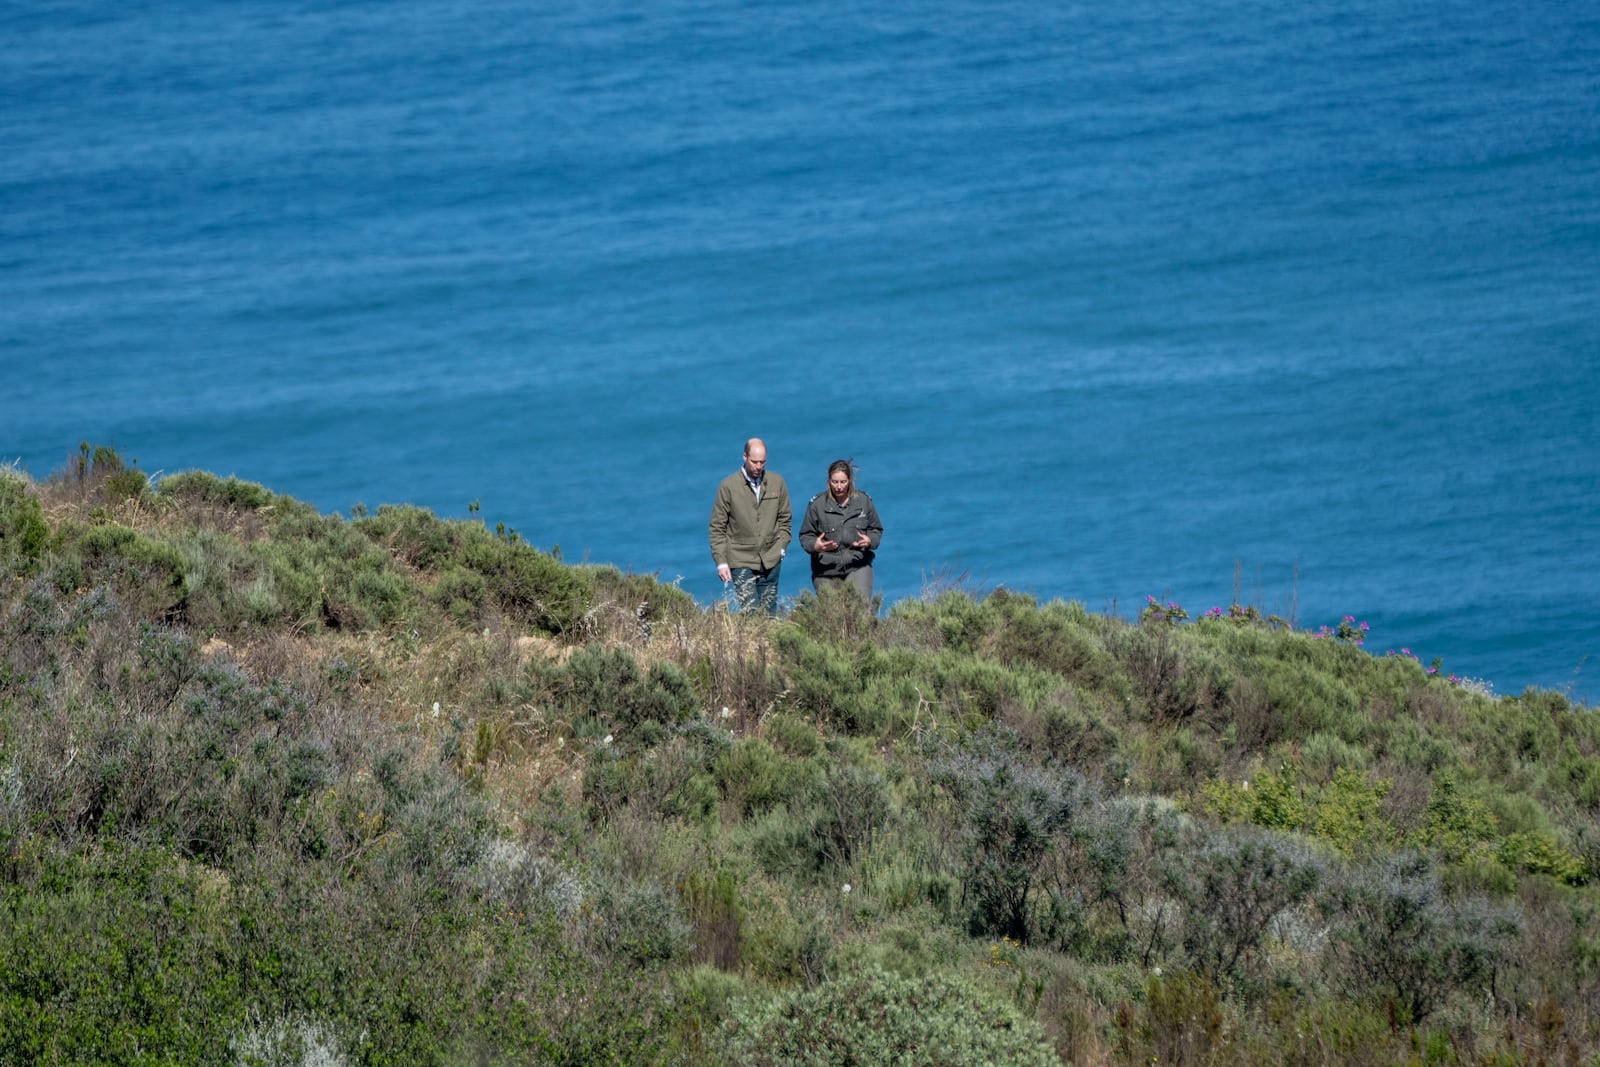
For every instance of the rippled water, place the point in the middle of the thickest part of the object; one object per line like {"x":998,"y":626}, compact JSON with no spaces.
{"x":1105,"y":303}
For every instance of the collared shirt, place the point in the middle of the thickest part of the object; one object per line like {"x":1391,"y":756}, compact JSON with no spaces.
{"x":753,"y":483}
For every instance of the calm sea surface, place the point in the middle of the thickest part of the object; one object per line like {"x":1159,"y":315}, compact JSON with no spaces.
{"x":1106,"y":301}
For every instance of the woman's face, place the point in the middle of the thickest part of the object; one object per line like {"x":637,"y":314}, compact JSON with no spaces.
{"x":839,"y":484}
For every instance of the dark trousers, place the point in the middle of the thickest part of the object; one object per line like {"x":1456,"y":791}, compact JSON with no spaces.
{"x":860,"y":579}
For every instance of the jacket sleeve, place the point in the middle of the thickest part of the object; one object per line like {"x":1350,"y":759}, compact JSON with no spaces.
{"x":717,"y":528}
{"x":874,"y":527}
{"x":785,"y":518}
{"x":810,"y":528}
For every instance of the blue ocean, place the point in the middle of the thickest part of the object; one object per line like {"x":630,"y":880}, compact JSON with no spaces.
{"x":1294,"y":304}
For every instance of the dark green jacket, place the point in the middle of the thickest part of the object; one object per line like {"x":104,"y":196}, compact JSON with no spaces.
{"x":841,"y":523}
{"x":745,"y":533}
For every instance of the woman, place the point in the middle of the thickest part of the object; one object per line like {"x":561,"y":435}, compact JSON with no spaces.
{"x":841,"y":532}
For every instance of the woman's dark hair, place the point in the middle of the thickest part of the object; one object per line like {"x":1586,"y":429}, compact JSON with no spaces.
{"x":849,"y":469}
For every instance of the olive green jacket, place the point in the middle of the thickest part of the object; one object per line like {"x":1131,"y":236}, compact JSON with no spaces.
{"x":841,"y":523}
{"x":745,"y":533}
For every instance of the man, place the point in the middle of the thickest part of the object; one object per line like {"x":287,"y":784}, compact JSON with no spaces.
{"x":749,"y":530}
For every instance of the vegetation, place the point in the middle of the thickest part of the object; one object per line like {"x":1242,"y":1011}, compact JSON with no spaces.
{"x":279,"y":787}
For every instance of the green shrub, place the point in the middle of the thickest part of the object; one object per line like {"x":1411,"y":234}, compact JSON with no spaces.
{"x":704,"y":995}
{"x":642,"y":922}
{"x":870,"y":1016}
{"x":192,"y":488}
{"x":715,"y":910}
{"x":1172,"y":674}
{"x":650,"y":599}
{"x":1323,"y":756}
{"x":755,"y":778}
{"x":148,"y":572}
{"x":100,"y":475}
{"x":1183,"y":1019}
{"x":111,"y":952}
{"x":1311,"y":700}
{"x":1012,"y":816}
{"x":525,"y":584}
{"x":962,"y":623}
{"x":850,"y":806}
{"x":606,"y":684}
{"x":24,"y":536}
{"x":1236,"y":884}
{"x":1347,"y":814}
{"x":1537,"y":853}
{"x":826,"y":683}
{"x":834,"y":616}
{"x":229,"y":585}
{"x":1273,"y":801}
{"x":1398,"y":938}
{"x":1579,"y":777}
{"x":794,"y":735}
{"x":462,"y":593}
{"x":1098,"y":871}
{"x":1059,"y":637}
{"x":1459,"y":824}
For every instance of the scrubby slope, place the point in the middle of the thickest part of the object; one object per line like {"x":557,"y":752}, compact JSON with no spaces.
{"x":280,"y":787}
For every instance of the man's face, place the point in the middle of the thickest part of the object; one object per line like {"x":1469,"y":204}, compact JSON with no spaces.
{"x":755,"y":462}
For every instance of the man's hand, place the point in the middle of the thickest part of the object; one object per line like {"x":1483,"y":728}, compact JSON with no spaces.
{"x":724,"y":573}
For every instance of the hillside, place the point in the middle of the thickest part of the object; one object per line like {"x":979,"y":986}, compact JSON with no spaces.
{"x":279,"y":787}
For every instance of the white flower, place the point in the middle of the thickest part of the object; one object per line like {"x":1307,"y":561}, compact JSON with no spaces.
{"x":607,"y":740}
{"x":727,"y":713}
{"x":435,"y":709}
{"x":845,"y":889}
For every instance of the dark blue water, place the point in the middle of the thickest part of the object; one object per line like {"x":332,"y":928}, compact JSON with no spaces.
{"x":1170,"y":299}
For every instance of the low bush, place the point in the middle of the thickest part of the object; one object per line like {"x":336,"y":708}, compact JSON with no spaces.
{"x":24,"y":536}
{"x":525,"y":584}
{"x":1398,"y":939}
{"x":606,"y":685}
{"x":1014,"y":814}
{"x":871,"y":1016}
{"x":1236,"y":885}
{"x":146,"y":572}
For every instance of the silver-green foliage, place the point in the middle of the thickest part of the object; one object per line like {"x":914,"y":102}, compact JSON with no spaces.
{"x":1236,"y":886}
{"x":874,"y":1017}
{"x":298,"y":1041}
{"x":1400,"y":937}
{"x":1016,"y":817}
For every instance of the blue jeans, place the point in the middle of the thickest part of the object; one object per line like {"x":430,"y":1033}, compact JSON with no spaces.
{"x":757,"y":589}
